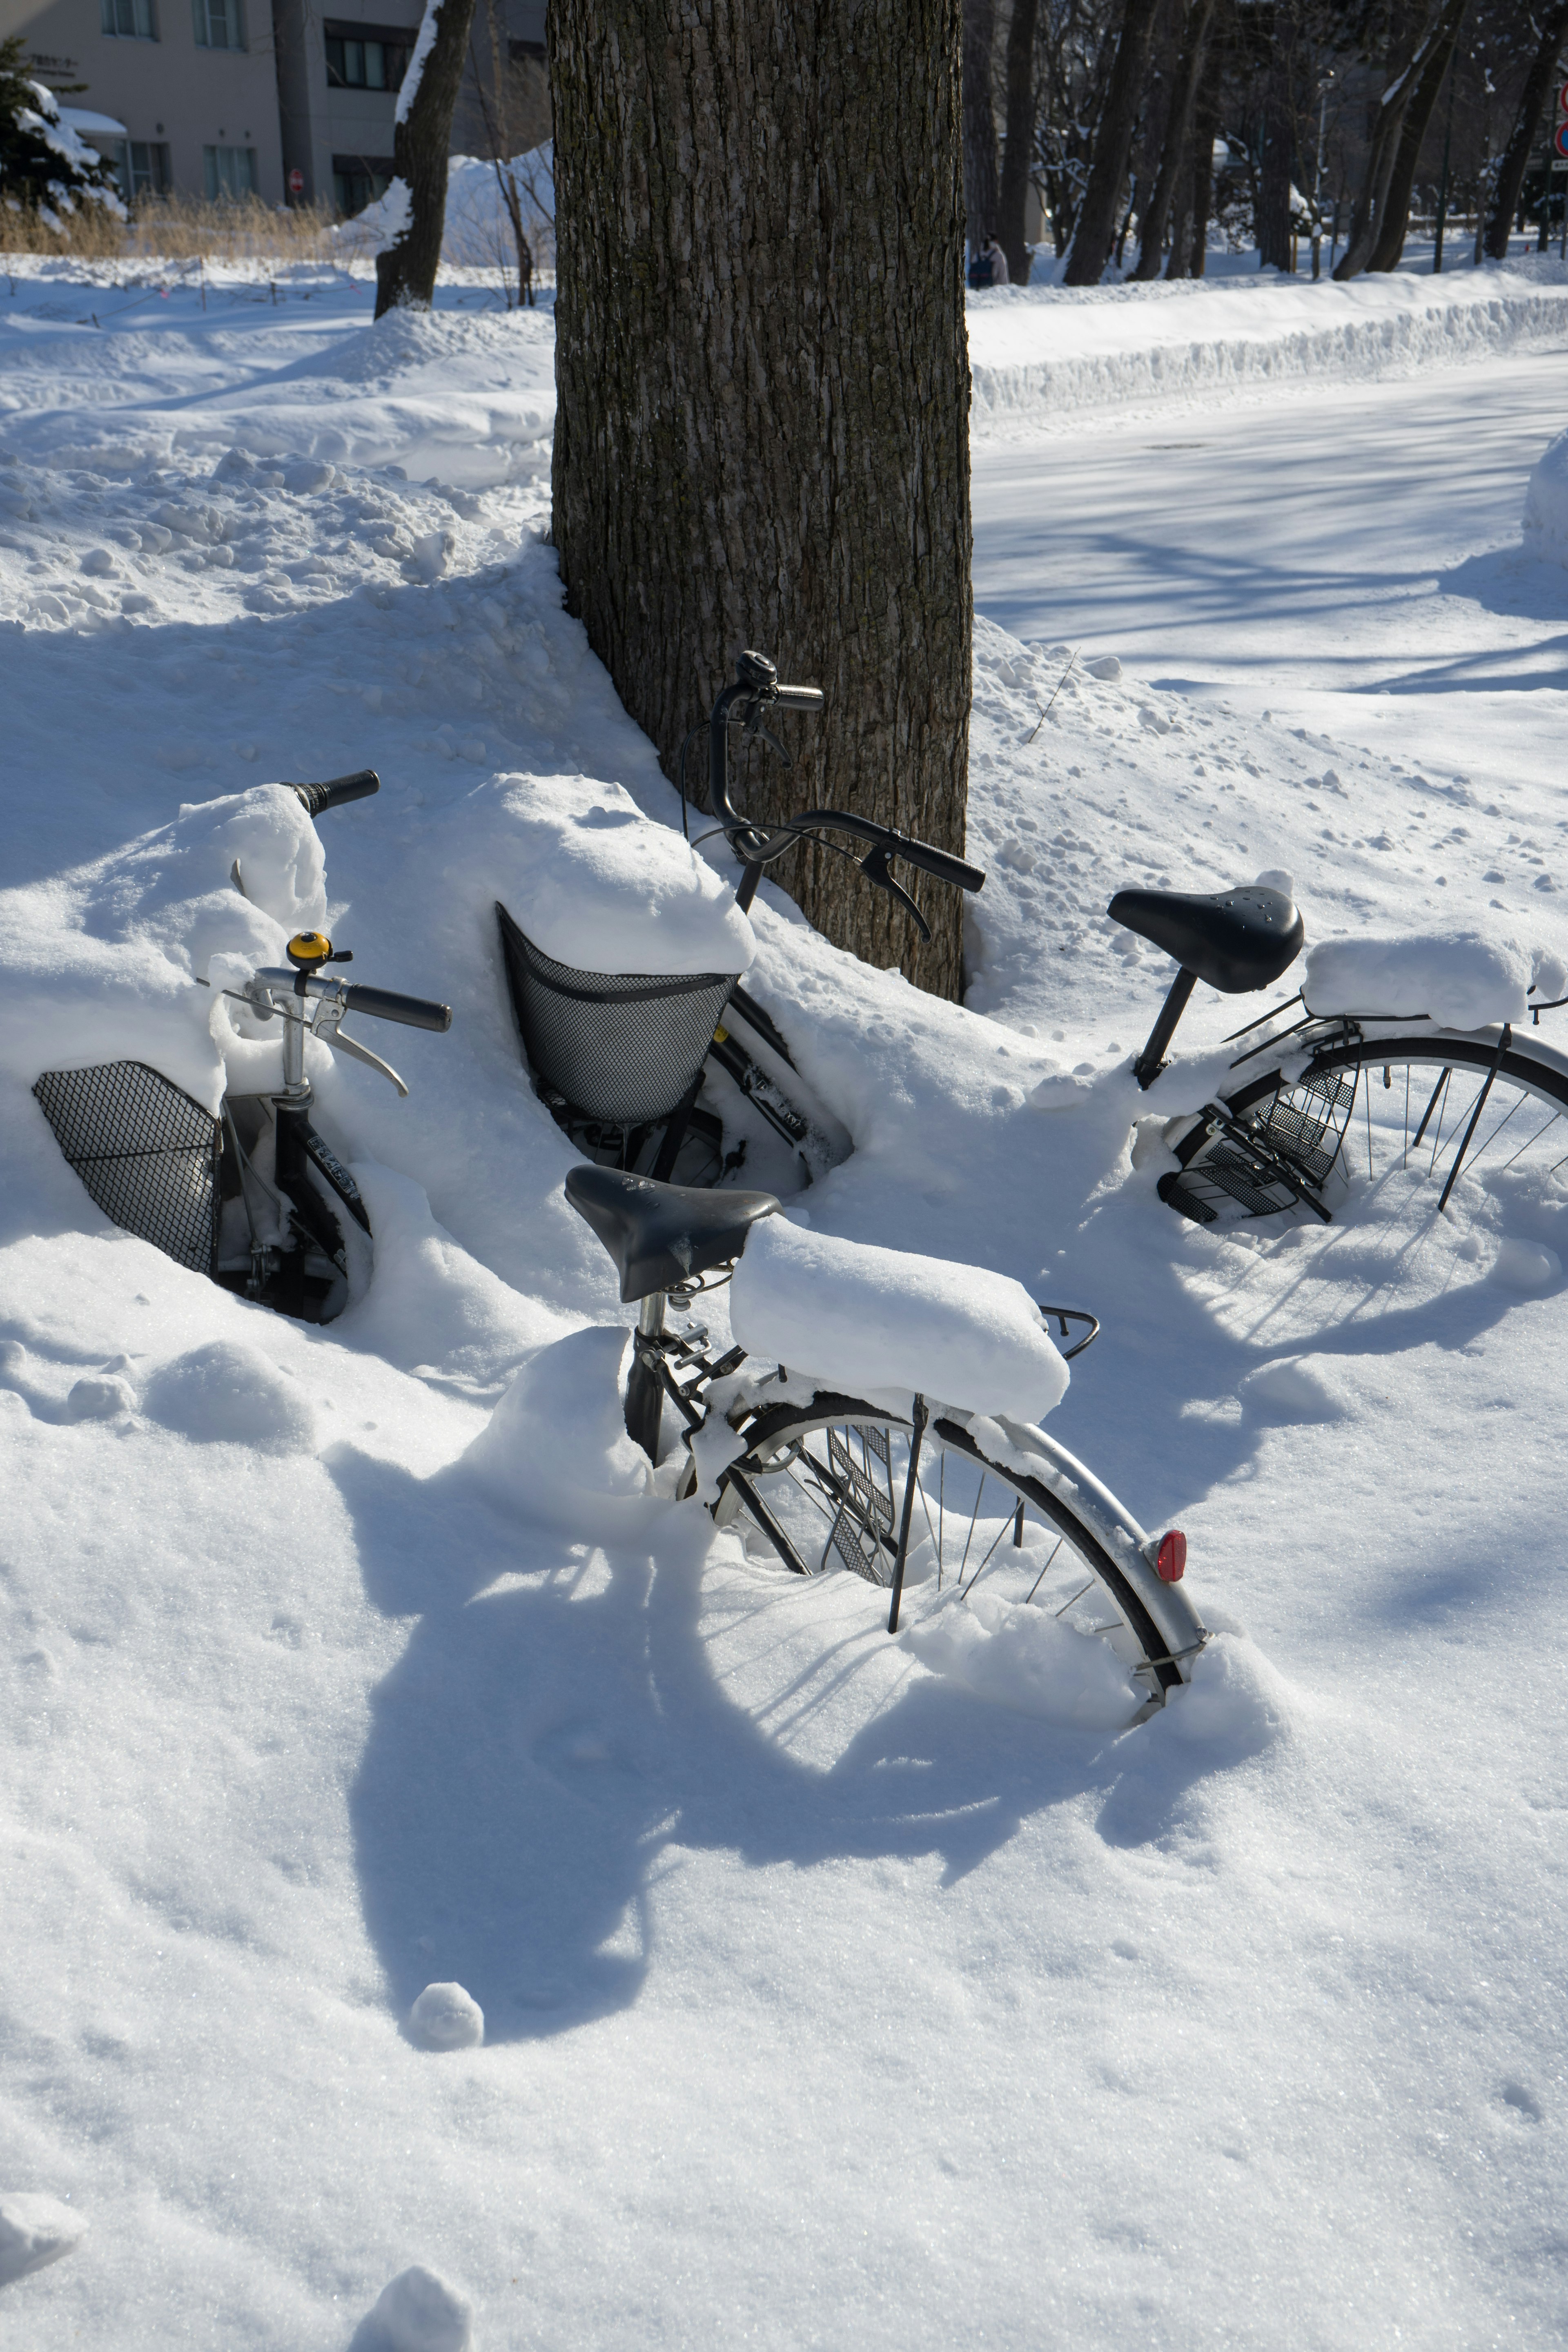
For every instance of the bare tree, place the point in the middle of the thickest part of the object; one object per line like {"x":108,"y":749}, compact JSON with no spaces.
{"x":1177,"y":153}
{"x":405,"y":269}
{"x":1531,"y":101}
{"x":502,"y":131}
{"x":1018,"y":149}
{"x":1095,"y":231}
{"x":981,"y":175}
{"x":761,"y":433}
{"x":1383,"y":152}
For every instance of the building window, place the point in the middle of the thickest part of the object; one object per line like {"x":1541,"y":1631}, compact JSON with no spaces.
{"x":220,"y":23}
{"x":358,"y":180}
{"x":229,"y":172}
{"x":366,"y":57}
{"x":129,"y":20}
{"x":142,"y":168}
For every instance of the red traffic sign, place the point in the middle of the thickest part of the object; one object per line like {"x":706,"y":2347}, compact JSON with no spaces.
{"x":297,"y":177}
{"x":1560,"y":139}
{"x":1562,"y":98}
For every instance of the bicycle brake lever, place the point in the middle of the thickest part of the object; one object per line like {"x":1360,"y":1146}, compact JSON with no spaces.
{"x":874,"y":866}
{"x":340,"y":1045}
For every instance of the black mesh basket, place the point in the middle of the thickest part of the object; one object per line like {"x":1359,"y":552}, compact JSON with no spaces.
{"x":147,"y":1153}
{"x":625,"y":1047}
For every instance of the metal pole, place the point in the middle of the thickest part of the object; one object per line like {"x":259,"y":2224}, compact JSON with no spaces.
{"x":1318,"y":188}
{"x":1443,"y":183}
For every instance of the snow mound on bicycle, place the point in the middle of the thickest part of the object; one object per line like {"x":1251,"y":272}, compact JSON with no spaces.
{"x":1461,"y":979}
{"x":871,"y":1319}
{"x":595,"y":884}
{"x":101,"y":963}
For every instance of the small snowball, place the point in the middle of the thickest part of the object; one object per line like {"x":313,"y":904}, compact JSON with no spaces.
{"x":1106,"y":667}
{"x":34,"y":2229}
{"x":97,"y":560}
{"x":309,"y":474}
{"x":226,"y":1393}
{"x":1525,"y":1265}
{"x":98,"y":1400}
{"x":444,"y":2017}
{"x":418,"y":2312}
{"x":1274,"y":877}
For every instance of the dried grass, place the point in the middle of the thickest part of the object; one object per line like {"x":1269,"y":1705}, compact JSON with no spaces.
{"x":176,"y":228}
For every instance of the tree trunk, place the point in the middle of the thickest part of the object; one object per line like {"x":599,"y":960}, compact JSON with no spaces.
{"x":1373,"y":204}
{"x":763,"y":380}
{"x":982,"y":181}
{"x":1516,"y":160}
{"x":1018,"y":153}
{"x":1388,"y":246}
{"x":1095,"y":232}
{"x":1272,"y":223}
{"x":405,"y":272}
{"x":1205,"y":130}
{"x":1178,"y":140}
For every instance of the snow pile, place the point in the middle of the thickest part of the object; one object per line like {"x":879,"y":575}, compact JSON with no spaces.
{"x":1546,"y":504}
{"x":418,"y":2311}
{"x":103,"y":963}
{"x":477,"y":231}
{"x":878,"y":1320}
{"x":594,"y":884}
{"x":1025,"y":1658}
{"x":35,"y":2230}
{"x":1040,"y":354}
{"x":451,"y":397}
{"x":556,"y":1448}
{"x":1461,"y":979}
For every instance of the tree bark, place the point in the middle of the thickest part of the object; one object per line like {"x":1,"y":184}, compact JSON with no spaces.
{"x":1516,"y":159}
{"x":1095,"y":231}
{"x":1018,"y":153}
{"x":763,"y":383}
{"x":1388,"y":246}
{"x":405,"y":272}
{"x":982,"y":171}
{"x":1177,"y":151}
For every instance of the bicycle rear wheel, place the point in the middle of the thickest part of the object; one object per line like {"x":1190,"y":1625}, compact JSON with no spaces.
{"x":822,"y":1485}
{"x":1365,"y":1109}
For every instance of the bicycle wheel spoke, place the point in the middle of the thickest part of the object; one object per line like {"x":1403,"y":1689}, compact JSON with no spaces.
{"x":987,"y":1561}
{"x":1041,"y":1577}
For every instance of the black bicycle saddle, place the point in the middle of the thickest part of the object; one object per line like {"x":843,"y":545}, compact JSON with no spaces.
{"x":1235,"y":940}
{"x":659,"y":1234}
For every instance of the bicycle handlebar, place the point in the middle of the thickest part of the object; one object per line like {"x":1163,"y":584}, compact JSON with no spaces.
{"x":755,"y":689}
{"x":386,"y":1005}
{"x":339,"y":790}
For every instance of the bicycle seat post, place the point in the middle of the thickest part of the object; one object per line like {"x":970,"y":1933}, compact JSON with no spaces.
{"x":1151,"y":1060}
{"x":645,"y":1388}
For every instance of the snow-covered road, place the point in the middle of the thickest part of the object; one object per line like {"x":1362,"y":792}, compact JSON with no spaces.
{"x":1344,"y":556}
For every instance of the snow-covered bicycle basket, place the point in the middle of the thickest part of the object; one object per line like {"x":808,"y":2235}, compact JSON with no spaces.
{"x":621,"y":949}
{"x":148,"y":1155}
{"x":624,"y":1047}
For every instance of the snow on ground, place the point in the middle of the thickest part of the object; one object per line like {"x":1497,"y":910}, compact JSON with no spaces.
{"x":831,"y":1988}
{"x":1040,"y":354}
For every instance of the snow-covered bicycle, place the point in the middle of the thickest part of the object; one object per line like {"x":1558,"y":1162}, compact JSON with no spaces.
{"x":831,"y":1469}
{"x":1396,"y":1058}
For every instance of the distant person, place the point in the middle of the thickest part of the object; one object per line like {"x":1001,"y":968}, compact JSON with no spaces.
{"x":989,"y":267}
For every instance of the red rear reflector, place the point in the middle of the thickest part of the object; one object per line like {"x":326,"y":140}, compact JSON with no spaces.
{"x":1171,"y":1559}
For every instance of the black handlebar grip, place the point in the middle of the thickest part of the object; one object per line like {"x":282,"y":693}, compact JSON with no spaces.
{"x":938,"y":861}
{"x":315,"y":798}
{"x":800,"y":698}
{"x":384,"y":1005}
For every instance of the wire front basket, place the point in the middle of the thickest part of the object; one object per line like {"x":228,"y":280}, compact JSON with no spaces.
{"x":624,"y":1047}
{"x":147,"y":1154}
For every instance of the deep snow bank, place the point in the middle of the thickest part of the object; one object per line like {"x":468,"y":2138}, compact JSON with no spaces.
{"x":1037,"y":354}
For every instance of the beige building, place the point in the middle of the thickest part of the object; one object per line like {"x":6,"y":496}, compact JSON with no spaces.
{"x":228,"y":96}
{"x":192,"y":80}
